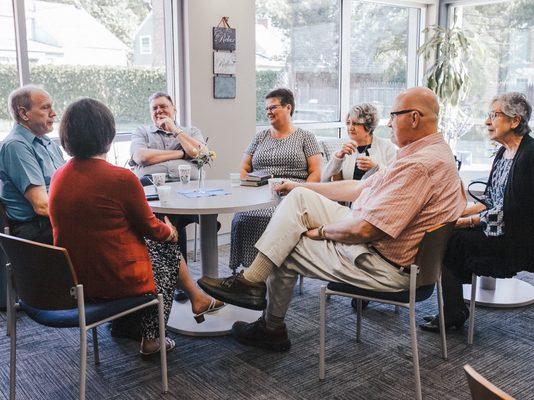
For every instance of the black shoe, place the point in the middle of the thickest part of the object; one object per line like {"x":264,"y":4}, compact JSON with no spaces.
{"x":454,"y":323}
{"x":236,"y":290}
{"x":354,"y":304}
{"x":180,"y":295}
{"x":429,"y":318}
{"x":258,"y":335}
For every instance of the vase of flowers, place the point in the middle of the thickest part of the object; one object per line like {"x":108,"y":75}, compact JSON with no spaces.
{"x":204,"y":156}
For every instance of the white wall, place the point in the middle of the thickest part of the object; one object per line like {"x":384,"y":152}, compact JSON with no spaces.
{"x":229,"y":124}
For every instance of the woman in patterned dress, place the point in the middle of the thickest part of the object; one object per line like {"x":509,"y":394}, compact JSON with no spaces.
{"x":283,"y":151}
{"x":497,"y":238}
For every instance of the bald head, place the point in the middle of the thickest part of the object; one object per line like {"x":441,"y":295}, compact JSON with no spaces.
{"x":414,"y":115}
{"x":422,"y":99}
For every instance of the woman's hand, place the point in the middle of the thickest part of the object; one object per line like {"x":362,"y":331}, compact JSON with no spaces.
{"x":173,"y":237}
{"x":365,"y":163}
{"x":313,"y":234}
{"x":285,"y":187}
{"x":467,"y":222}
{"x":347,"y":149}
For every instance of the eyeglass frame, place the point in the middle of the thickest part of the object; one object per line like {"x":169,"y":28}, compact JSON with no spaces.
{"x":395,"y":113}
{"x":274,"y":107}
{"x":492,"y":115}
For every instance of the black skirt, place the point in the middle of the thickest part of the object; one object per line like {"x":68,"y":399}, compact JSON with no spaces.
{"x":471,"y":251}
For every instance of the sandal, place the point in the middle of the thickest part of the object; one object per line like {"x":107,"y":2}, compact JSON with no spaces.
{"x":169,"y":345}
{"x":211,"y":308}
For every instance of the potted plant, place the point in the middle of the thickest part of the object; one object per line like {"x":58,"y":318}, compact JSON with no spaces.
{"x":448,"y":77}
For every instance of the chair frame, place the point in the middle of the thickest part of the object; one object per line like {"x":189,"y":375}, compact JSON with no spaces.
{"x":481,"y":388}
{"x":78,"y":293}
{"x":414,"y":270}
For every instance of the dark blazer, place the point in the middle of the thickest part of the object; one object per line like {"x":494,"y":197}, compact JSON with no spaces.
{"x":518,"y":208}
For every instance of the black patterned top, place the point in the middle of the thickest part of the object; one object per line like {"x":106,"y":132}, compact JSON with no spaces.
{"x":283,"y":158}
{"x":493,"y":218}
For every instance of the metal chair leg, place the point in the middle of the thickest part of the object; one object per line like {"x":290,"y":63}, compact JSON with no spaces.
{"x":83,"y":361}
{"x":162,"y":345}
{"x":195,"y":244}
{"x":95,"y":346}
{"x":415,"y":354}
{"x":472,"y":304}
{"x":359,"y":308}
{"x":12,"y":327}
{"x":442,"y":321}
{"x":301,"y":285}
{"x":322,"y":332}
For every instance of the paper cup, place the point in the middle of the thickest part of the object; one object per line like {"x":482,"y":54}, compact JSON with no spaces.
{"x":159,"y":179}
{"x":273,"y":183}
{"x":235,"y":179}
{"x":184,"y":171}
{"x":164,"y":193}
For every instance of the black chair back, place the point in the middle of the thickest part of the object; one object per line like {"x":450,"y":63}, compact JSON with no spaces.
{"x":430,"y":254}
{"x":43,"y":275}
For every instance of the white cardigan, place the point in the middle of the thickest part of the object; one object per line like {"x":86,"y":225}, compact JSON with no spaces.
{"x":382,"y":152}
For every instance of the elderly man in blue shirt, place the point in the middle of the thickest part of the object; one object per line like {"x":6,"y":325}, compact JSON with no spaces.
{"x":28,"y":159}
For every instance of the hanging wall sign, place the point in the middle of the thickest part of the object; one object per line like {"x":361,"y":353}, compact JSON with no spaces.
{"x":224,"y":87}
{"x":224,"y":63}
{"x":224,"y":36}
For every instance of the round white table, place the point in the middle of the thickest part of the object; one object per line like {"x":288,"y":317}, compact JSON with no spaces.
{"x":240,"y":198}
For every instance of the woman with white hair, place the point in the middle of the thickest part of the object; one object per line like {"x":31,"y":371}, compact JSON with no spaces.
{"x":363,"y":153}
{"x":494,"y":237}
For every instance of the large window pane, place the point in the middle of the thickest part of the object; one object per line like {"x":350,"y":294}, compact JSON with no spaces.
{"x":504,"y":62}
{"x":8,"y":64}
{"x":380,"y":52}
{"x":298,"y":46}
{"x":110,"y":51}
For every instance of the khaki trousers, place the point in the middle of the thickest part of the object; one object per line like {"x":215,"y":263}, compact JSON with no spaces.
{"x":284,"y":244}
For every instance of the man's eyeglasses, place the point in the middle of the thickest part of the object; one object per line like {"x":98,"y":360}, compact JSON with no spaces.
{"x":394,"y":113}
{"x":493,"y":114}
{"x":272,"y":108}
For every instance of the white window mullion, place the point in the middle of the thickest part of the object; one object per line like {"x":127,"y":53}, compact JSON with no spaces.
{"x":345,"y":58}
{"x":414,"y":30}
{"x":21,"y":43}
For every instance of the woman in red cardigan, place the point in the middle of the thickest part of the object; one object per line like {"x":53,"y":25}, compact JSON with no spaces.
{"x":100,"y":215}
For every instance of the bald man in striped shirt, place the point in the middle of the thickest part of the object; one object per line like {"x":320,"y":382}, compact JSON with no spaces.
{"x":371,"y":245}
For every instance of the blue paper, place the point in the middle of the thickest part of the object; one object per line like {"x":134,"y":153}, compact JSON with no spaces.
{"x":194,"y":194}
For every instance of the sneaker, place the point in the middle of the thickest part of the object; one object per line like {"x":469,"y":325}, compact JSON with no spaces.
{"x":236,"y":290}
{"x":257,"y":334}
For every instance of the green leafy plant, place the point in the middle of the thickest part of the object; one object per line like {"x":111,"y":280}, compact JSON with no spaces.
{"x":449,"y":77}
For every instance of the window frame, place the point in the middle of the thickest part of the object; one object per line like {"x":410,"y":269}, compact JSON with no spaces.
{"x":415,"y":62}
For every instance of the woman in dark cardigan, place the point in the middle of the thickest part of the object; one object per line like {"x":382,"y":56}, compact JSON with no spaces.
{"x":497,"y":238}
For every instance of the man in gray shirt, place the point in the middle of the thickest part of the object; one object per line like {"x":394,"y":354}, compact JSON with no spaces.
{"x":163,"y":146}
{"x":28,"y":159}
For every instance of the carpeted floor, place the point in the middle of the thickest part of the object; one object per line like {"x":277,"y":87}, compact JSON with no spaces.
{"x":218,"y":368}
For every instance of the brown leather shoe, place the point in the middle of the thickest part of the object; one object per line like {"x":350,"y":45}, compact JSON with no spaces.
{"x":257,"y":334}
{"x":236,"y":290}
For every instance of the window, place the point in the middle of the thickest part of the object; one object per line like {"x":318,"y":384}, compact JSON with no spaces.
{"x":503,"y":62}
{"x":334,"y":54}
{"x":78,"y":51}
{"x":298,"y":46}
{"x":145,"y":45}
{"x":380,"y":50}
{"x":8,"y":64}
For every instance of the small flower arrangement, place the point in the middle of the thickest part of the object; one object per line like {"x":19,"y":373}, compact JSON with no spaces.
{"x":204,"y":156}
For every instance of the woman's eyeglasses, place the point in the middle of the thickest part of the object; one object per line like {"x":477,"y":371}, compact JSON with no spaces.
{"x":493,"y":114}
{"x":272,"y":108}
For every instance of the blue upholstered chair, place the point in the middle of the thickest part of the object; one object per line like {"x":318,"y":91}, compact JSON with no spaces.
{"x":41,"y":279}
{"x":425,"y":273}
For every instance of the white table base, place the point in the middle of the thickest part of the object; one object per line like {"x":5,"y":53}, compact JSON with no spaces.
{"x":218,"y":323}
{"x":508,"y":293}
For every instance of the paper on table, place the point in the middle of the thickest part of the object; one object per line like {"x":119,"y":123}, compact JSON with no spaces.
{"x":193,"y":194}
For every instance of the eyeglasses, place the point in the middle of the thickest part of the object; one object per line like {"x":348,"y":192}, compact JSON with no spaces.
{"x":394,"y":113}
{"x":493,"y":114}
{"x":272,"y":108}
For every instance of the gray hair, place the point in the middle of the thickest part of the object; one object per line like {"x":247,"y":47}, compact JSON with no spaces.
{"x":21,"y":97}
{"x":365,"y":114}
{"x":515,"y":104}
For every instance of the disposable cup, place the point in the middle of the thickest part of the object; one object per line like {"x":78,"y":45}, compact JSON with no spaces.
{"x":273,"y":184}
{"x":184,"y":171}
{"x":164,"y":193}
{"x":159,"y":179}
{"x":235,"y":179}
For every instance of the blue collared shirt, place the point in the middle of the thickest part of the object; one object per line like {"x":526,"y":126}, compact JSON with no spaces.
{"x":25,"y":159}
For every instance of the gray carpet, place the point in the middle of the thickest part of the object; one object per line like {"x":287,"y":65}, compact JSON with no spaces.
{"x":218,"y":368}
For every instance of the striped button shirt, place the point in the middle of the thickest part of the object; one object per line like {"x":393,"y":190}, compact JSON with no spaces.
{"x":421,"y":188}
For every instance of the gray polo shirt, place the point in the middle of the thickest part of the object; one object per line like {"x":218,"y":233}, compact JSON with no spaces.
{"x":150,"y":137}
{"x":25,"y":159}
